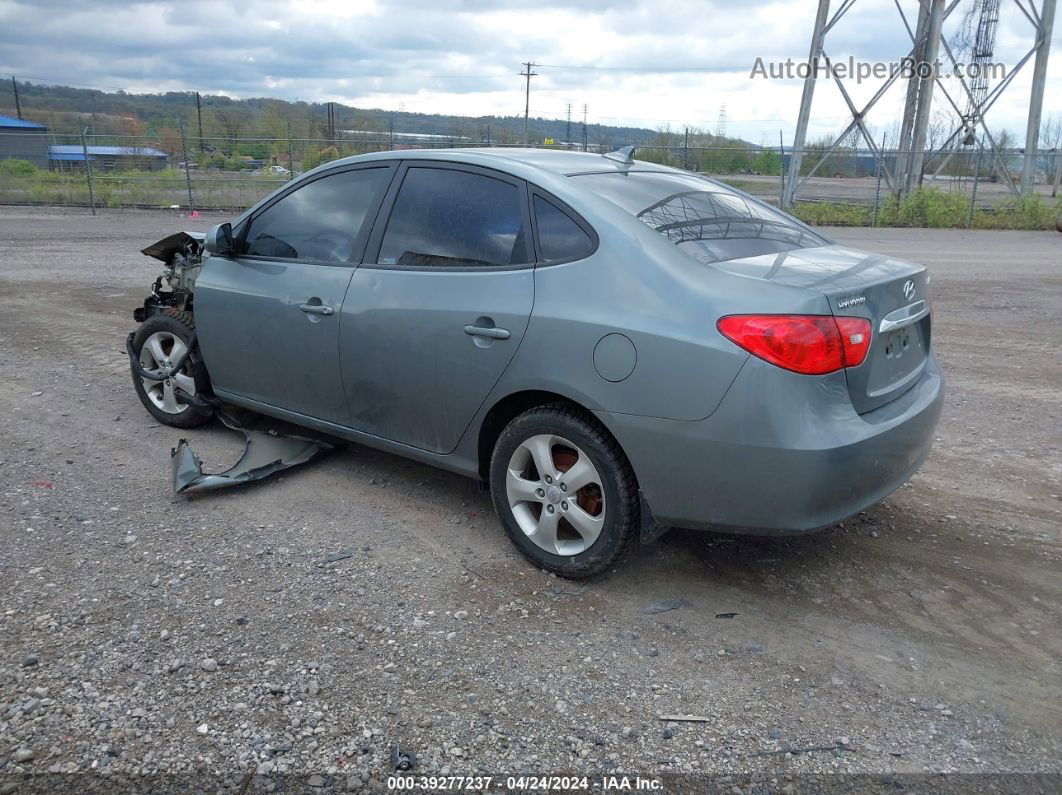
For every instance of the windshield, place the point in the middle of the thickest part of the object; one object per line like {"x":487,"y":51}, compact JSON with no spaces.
{"x":708,"y":221}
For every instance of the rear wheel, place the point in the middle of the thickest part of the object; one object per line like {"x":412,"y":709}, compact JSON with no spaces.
{"x":564,"y":491}
{"x":159,"y":342}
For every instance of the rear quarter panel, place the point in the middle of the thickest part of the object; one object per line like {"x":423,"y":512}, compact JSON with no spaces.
{"x":640,"y":285}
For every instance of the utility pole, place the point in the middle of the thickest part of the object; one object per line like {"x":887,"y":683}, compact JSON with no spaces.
{"x":584,"y":127}
{"x":527,"y":73}
{"x":18,"y":107}
{"x":291,"y":159}
{"x":1036,"y":101}
{"x":199,"y":116}
{"x":568,"y":129}
{"x":391,"y":133}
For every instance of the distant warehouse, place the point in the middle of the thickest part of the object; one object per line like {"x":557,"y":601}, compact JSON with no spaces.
{"x":107,"y":158}
{"x":24,"y":140}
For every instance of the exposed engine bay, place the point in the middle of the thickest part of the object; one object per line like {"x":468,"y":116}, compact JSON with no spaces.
{"x":182,"y":254}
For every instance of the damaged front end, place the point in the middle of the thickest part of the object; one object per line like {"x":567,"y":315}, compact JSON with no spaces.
{"x":182,"y":254}
{"x":165,"y":361}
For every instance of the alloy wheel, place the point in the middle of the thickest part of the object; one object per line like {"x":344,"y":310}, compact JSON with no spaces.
{"x":555,"y":494}
{"x":157,"y":355}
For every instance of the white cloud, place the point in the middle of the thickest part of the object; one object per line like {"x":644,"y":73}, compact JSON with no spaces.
{"x":463,"y":57}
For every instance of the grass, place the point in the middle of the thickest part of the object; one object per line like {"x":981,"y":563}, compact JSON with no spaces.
{"x":22,"y":183}
{"x":933,"y":208}
{"x":832,"y":214}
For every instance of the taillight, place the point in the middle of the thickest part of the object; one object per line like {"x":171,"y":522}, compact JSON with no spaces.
{"x":807,"y":344}
{"x":855,"y":337}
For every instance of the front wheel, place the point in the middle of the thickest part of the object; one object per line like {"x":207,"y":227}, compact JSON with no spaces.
{"x":564,"y":491}
{"x":159,"y":342}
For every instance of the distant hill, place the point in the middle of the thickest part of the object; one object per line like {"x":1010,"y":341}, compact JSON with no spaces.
{"x":67,"y":110}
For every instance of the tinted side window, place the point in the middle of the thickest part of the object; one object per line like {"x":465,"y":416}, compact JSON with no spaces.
{"x":319,"y":221}
{"x":559,"y":237}
{"x":443,"y":217}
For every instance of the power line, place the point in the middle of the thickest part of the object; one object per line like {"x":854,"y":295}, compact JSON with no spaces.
{"x":645,"y":69}
{"x":379,"y":75}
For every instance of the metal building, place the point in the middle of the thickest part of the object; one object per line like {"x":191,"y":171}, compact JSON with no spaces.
{"x":25,"y":140}
{"x":108,"y":158}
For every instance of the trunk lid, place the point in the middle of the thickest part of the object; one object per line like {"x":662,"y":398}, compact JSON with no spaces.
{"x":891,"y":293}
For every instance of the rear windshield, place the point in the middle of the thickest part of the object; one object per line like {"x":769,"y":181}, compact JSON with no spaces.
{"x":708,"y":221}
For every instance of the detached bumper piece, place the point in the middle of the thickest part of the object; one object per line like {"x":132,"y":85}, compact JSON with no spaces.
{"x":271,"y":448}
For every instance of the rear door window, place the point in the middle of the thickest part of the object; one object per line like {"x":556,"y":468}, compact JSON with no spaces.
{"x":446,"y":217}
{"x":320,"y":221}
{"x":560,"y":237}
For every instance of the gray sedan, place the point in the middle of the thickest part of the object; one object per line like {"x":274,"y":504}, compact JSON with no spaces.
{"x":614,"y":346}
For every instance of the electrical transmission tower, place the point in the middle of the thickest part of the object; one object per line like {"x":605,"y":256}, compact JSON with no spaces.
{"x":720,"y":125}
{"x":983,"y":49}
{"x":980,"y":52}
{"x":568,"y":129}
{"x":970,"y":105}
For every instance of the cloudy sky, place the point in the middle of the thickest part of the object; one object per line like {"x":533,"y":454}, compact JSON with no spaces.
{"x":645,"y":62}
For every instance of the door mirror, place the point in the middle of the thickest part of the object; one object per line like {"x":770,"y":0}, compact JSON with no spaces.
{"x":219,"y":241}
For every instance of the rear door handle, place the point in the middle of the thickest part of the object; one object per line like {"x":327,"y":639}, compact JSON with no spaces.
{"x":317,"y":309}
{"x":493,"y":332}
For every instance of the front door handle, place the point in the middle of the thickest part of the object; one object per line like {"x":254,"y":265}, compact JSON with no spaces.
{"x":493,"y":332}
{"x":317,"y":309}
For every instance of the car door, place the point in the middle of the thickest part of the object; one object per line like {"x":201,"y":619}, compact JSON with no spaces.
{"x":438,"y":308}
{"x":267,"y":317}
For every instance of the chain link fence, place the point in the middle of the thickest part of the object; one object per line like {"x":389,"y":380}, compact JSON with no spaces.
{"x":970,"y":187}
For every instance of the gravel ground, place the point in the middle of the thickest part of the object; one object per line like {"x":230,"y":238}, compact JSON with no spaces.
{"x":298,"y":628}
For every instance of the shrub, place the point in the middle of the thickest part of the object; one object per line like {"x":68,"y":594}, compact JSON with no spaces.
{"x":14,"y":167}
{"x":1024,"y":212}
{"x":926,"y":207}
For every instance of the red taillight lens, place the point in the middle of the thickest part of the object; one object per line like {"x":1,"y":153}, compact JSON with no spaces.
{"x":807,"y":344}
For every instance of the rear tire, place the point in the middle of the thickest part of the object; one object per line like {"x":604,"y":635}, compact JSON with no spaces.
{"x":564,"y":491}
{"x":161,"y":339}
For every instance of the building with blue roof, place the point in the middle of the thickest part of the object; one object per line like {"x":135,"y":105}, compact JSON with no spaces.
{"x":25,"y":140}
{"x":108,"y":158}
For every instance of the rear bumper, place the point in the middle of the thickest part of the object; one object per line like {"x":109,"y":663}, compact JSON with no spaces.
{"x":783,"y":453}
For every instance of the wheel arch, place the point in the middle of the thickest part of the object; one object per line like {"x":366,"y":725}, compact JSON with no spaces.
{"x":509,"y":407}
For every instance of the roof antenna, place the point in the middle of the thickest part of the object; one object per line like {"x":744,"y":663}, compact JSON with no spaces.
{"x":625,"y":154}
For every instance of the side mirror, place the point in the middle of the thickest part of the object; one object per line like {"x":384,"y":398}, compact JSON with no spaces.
{"x":219,"y":241}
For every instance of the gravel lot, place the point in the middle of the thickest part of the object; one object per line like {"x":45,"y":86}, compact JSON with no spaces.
{"x":304,"y":625}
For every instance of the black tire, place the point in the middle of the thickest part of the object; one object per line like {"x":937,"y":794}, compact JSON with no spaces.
{"x":180,"y":325}
{"x":619,"y":487}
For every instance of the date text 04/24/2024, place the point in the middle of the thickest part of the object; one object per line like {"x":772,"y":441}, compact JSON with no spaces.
{"x":522,"y":783}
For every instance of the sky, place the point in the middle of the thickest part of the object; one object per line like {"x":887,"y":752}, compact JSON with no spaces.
{"x":653,"y":64}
